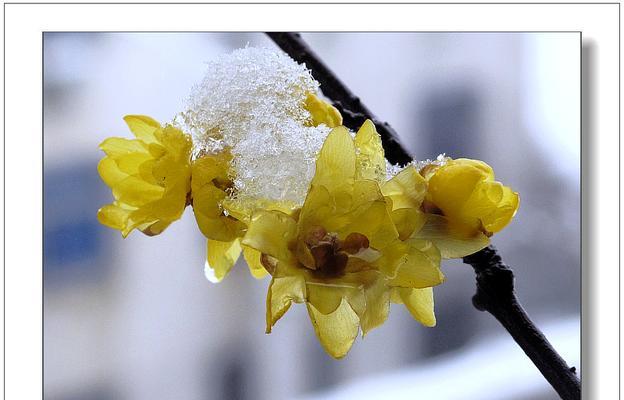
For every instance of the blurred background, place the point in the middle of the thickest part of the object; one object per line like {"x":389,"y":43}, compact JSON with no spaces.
{"x":135,"y":319}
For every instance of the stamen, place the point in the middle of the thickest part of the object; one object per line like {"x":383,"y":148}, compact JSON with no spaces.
{"x":355,"y":242}
{"x":327,"y":255}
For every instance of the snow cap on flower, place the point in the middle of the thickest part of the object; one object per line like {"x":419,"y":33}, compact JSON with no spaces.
{"x":263,"y":106}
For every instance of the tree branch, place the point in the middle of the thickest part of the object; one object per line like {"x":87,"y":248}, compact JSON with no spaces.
{"x":496,"y":295}
{"x":495,"y":280}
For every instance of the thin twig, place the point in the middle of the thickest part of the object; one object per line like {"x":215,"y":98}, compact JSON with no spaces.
{"x":495,"y":289}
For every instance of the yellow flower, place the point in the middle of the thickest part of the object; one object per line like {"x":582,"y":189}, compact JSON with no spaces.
{"x":211,"y":186}
{"x":341,"y":253}
{"x":465,"y":206}
{"x":149,"y":177}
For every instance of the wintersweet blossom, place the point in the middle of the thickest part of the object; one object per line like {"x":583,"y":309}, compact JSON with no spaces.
{"x":150,"y":177}
{"x":210,"y":186}
{"x":465,"y":206}
{"x":341,"y":254}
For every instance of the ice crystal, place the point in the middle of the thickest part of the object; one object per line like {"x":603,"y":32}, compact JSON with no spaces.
{"x":393,"y":169}
{"x":252,"y":101}
{"x":440,"y":160}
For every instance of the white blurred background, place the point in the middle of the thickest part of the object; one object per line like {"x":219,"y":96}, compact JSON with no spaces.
{"x":135,"y":319}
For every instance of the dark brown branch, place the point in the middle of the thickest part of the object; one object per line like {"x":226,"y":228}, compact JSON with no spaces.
{"x":496,"y":295}
{"x":495,"y":289}
{"x":353,"y":111}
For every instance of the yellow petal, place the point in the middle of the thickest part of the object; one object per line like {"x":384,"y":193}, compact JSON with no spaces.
{"x":156,"y":228}
{"x":282,"y":292}
{"x":336,"y":331}
{"x":493,"y":204}
{"x":209,"y":168}
{"x":451,"y":186}
{"x":110,"y":172}
{"x":239,"y":209}
{"x":175,"y":141}
{"x":412,"y":263}
{"x":113,"y":216}
{"x":146,"y":172}
{"x":335,"y":165}
{"x":373,"y":222}
{"x":168,"y":209}
{"x":371,"y":163}
{"x":421,"y":266}
{"x":136,"y":192}
{"x":304,"y":255}
{"x":453,"y":240}
{"x":377,"y":306}
{"x":219,"y":228}
{"x":419,"y":303}
{"x":318,"y":209}
{"x":207,"y":200}
{"x":209,"y":216}
{"x":116,"y":146}
{"x":326,"y":295}
{"x":143,"y":127}
{"x":364,"y":192}
{"x":168,"y":172}
{"x":407,"y":221}
{"x":407,"y":189}
{"x":252,"y":257}
{"x":484,"y":168}
{"x":332,"y":211}
{"x":272,"y":233}
{"x":156,"y":149}
{"x":326,"y":298}
{"x":221,"y":256}
{"x":130,"y":163}
{"x":242,"y":209}
{"x":322,"y":112}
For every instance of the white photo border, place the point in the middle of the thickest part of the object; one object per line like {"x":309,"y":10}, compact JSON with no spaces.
{"x":23,"y":161}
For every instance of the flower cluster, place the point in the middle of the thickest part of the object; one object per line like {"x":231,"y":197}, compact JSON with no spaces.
{"x":358,"y":241}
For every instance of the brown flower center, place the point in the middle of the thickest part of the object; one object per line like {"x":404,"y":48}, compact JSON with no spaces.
{"x":329,"y":254}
